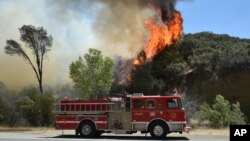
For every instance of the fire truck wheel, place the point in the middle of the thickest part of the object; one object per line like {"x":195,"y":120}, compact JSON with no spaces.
{"x":98,"y":133}
{"x":87,"y":129}
{"x":158,"y":130}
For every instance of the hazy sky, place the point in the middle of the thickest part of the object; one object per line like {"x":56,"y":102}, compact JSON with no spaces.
{"x":74,"y":27}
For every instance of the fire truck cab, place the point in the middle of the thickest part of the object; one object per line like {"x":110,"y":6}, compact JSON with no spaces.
{"x":158,"y":115}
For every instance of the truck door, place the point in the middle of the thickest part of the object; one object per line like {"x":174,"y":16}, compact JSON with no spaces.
{"x":174,"y":111}
{"x":138,"y":115}
{"x":152,"y":111}
{"x":138,"y":107}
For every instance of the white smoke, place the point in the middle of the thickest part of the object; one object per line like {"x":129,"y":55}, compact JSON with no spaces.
{"x":113,"y":26}
{"x":71,"y":32}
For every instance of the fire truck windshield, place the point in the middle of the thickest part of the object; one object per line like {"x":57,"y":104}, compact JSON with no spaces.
{"x":172,"y":103}
{"x":181,"y":104}
{"x":175,"y":103}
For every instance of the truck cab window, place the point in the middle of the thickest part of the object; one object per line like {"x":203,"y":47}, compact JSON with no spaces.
{"x":172,"y":103}
{"x":150,"y":103}
{"x":138,"y":104}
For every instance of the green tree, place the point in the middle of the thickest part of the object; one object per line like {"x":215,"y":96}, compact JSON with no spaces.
{"x":38,"y":41}
{"x":237,"y":117}
{"x":93,"y":74}
{"x":221,"y":113}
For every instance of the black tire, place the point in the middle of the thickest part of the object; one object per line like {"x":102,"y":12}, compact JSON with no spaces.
{"x":87,"y":129}
{"x":98,"y":133}
{"x":158,"y":130}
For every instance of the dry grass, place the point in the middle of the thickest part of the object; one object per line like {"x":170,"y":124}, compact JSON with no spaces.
{"x":14,"y":129}
{"x":209,"y":131}
{"x":203,"y":129}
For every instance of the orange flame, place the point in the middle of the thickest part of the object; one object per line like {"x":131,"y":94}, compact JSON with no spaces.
{"x":160,"y":37}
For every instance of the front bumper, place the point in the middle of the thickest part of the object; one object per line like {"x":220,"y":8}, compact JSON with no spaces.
{"x":187,"y":129}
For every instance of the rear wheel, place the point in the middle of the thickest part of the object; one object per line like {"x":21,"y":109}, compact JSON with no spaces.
{"x":158,"y":130}
{"x":87,"y":129}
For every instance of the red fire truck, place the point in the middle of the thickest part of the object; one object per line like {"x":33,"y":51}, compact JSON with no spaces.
{"x":158,"y":115}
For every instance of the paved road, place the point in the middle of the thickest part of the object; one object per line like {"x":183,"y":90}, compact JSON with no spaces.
{"x":19,"y":136}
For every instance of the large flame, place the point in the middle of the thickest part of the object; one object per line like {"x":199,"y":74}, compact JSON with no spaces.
{"x":161,"y":36}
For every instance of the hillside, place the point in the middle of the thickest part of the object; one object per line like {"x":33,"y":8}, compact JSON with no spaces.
{"x":200,"y":65}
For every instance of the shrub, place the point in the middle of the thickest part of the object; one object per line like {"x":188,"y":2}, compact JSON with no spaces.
{"x":2,"y":107}
{"x":28,"y":110}
{"x":45,"y":106}
{"x":221,"y":113}
{"x":8,"y":113}
{"x":36,"y":108}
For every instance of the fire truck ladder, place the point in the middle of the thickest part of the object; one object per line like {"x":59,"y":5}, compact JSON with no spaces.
{"x":84,"y":108}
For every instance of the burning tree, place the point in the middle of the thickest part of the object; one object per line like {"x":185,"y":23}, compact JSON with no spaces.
{"x":164,"y":30}
{"x":38,"y":41}
{"x":160,"y":37}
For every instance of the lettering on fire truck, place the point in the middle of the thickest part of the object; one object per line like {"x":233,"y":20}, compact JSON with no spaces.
{"x":158,"y":115}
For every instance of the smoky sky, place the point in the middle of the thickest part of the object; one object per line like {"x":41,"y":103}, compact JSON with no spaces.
{"x":113,"y":26}
{"x":118,"y":24}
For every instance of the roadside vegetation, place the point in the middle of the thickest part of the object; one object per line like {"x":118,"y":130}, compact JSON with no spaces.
{"x":27,"y":108}
{"x":219,"y":114}
{"x":30,"y":107}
